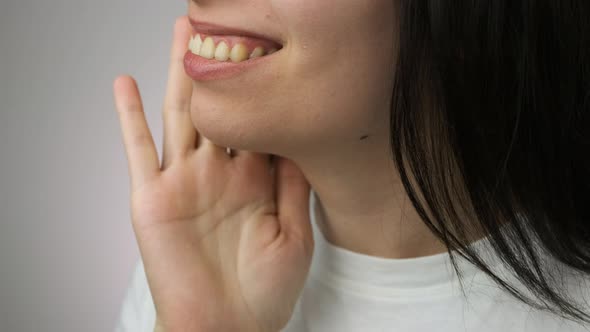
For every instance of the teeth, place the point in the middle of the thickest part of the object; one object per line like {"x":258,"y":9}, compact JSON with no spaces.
{"x":222,"y":52}
{"x":257,"y":52}
{"x":208,"y":48}
{"x":195,"y":44}
{"x":238,"y":53}
{"x":191,"y":44}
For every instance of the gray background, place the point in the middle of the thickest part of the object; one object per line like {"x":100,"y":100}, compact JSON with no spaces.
{"x":67,"y":248}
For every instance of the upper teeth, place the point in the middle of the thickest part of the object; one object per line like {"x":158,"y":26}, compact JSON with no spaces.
{"x":221,"y":52}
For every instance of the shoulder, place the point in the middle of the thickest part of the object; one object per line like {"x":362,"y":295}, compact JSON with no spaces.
{"x":492,"y":303}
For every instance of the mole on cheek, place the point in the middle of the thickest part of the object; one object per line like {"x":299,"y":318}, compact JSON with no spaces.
{"x":363,"y":137}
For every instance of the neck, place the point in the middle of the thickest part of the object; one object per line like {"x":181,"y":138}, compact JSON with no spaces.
{"x":363,"y":205}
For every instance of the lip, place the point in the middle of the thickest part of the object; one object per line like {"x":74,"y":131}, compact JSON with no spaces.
{"x":216,"y":29}
{"x":202,"y":69}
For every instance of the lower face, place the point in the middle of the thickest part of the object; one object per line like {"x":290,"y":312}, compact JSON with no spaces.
{"x":321,"y":73}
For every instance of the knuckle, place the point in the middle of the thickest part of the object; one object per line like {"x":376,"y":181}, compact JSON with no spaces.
{"x":179,"y":105}
{"x":134,"y":108}
{"x":140,"y":139}
{"x":126,"y":109}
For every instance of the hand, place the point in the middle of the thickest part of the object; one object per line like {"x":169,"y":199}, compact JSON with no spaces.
{"x":226,"y":241}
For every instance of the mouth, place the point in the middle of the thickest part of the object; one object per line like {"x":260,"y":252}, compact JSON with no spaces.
{"x":215,"y":51}
{"x":230,"y":48}
{"x":215,"y":42}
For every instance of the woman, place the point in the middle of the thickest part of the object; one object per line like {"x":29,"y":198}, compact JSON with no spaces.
{"x":345,"y":165}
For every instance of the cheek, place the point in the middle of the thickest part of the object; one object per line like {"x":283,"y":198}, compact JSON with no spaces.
{"x":339,"y":62}
{"x":335,"y":33}
{"x":305,"y":20}
{"x":323,"y":19}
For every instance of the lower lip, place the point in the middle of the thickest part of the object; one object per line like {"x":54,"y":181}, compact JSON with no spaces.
{"x":202,"y":69}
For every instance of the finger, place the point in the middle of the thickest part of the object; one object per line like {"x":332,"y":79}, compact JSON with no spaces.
{"x":216,"y":151}
{"x":261,"y":160}
{"x":142,"y":156}
{"x":292,"y":191}
{"x":268,"y":158}
{"x":231,"y":152}
{"x":179,"y":132}
{"x":211,"y":147}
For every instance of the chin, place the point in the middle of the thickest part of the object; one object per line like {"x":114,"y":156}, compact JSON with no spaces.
{"x":225,"y":129}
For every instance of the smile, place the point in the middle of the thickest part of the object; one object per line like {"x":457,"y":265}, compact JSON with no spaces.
{"x":216,"y":52}
{"x":230,"y":48}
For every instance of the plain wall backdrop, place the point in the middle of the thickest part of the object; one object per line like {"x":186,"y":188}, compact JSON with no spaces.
{"x":67,"y":248}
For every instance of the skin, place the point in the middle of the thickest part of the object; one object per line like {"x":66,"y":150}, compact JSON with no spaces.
{"x":227,"y":241}
{"x":339,"y":140}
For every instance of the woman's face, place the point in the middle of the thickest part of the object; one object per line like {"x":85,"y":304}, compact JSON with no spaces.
{"x":329,"y":84}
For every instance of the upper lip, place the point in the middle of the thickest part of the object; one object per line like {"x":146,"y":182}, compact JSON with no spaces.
{"x":216,"y":29}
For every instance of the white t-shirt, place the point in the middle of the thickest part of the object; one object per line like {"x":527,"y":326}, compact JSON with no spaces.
{"x":351,"y":292}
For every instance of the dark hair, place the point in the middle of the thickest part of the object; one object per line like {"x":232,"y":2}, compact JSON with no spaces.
{"x":490,"y":127}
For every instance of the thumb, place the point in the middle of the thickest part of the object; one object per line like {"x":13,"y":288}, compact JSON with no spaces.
{"x":293,"y":199}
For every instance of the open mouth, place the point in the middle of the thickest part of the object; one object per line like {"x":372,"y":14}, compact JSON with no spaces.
{"x":216,"y":52}
{"x":231,"y":48}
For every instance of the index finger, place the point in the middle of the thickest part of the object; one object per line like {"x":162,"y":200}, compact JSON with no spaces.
{"x":179,"y":132}
{"x":142,"y":157}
